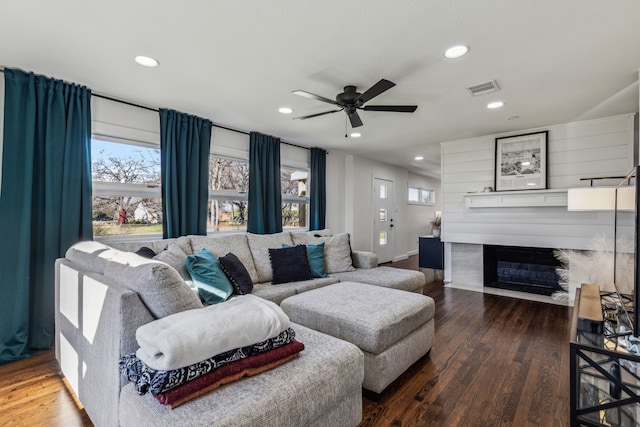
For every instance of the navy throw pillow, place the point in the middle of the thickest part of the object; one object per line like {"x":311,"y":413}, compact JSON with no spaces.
{"x":289,"y":264}
{"x":237,"y":273}
{"x":315,"y":255}
{"x":146,"y":252}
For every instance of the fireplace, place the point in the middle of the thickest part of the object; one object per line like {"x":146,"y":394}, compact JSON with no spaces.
{"x":521,"y":269}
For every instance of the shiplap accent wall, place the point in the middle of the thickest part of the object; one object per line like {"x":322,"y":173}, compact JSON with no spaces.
{"x":595,"y":148}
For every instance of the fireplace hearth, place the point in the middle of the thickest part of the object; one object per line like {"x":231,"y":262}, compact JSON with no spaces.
{"x":521,"y":269}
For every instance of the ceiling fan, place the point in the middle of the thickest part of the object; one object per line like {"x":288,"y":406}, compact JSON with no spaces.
{"x":350,"y":101}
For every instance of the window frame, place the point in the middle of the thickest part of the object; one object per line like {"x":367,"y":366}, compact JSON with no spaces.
{"x":431,"y":201}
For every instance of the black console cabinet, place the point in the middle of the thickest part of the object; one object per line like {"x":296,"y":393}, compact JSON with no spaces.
{"x":431,"y":253}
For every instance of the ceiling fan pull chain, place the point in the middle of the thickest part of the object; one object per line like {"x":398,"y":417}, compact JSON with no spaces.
{"x":345,"y":127}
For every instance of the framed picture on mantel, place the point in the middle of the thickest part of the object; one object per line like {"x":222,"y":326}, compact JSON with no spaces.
{"x":521,"y":162}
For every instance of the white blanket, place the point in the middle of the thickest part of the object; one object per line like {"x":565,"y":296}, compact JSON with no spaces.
{"x":191,"y":336}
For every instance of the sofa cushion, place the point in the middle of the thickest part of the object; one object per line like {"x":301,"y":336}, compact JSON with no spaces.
{"x":175,"y":257}
{"x":237,"y":273}
{"x":204,"y":269}
{"x":260,"y":245}
{"x":159,"y":286}
{"x":231,"y":243}
{"x":337,"y":250}
{"x":289,"y":264}
{"x":388,"y":277}
{"x":274,"y":293}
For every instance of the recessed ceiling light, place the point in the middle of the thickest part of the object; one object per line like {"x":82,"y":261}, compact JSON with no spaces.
{"x":496,"y":104}
{"x":146,"y":61}
{"x":285,"y":110}
{"x":356,"y":135}
{"x":418,"y":158}
{"x":456,"y":51}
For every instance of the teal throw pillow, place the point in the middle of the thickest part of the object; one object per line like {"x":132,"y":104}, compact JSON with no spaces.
{"x":204,"y":269}
{"x":315,"y":254}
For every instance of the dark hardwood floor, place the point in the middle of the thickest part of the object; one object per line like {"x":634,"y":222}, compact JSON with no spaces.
{"x":496,"y":361}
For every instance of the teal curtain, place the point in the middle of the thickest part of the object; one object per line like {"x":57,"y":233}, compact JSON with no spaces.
{"x":318,"y":189}
{"x":45,"y":201}
{"x":265,"y":197}
{"x":184,"y":167}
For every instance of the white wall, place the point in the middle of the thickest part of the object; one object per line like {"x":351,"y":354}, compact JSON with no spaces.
{"x":418,"y":218}
{"x":594,"y":148}
{"x":350,"y":200}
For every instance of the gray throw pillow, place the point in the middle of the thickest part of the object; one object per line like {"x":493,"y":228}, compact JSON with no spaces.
{"x":175,"y":257}
{"x":159,"y":286}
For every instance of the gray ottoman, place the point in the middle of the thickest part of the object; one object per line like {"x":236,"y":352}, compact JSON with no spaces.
{"x":393,"y":328}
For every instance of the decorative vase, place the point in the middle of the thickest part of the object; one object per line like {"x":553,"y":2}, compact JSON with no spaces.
{"x":435,"y":231}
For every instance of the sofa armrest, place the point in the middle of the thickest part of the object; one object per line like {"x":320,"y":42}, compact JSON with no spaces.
{"x":96,"y":319}
{"x":362,"y":259}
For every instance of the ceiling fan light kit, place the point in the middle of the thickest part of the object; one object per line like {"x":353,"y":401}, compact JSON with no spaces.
{"x":350,"y":101}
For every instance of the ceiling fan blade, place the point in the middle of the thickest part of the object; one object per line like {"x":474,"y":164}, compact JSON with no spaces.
{"x":313,"y":96}
{"x":354,"y":118}
{"x":375,"y":90}
{"x":316,"y":115}
{"x":393,"y":108}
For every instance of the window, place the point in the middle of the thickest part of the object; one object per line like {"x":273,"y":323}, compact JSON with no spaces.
{"x":421,"y":196}
{"x":383,"y":238}
{"x":383,"y":191}
{"x":126,"y":188}
{"x":228,"y":187}
{"x":295,"y":198}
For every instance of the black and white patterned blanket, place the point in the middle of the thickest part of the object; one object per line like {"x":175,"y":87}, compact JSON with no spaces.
{"x":151,"y":380}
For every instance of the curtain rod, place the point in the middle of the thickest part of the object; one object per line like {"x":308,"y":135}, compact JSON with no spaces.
{"x":133,"y":104}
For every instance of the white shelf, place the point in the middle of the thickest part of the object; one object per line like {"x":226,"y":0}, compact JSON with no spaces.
{"x":517,"y":199}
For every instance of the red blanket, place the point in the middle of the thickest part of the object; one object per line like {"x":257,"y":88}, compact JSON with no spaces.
{"x":230,"y":372}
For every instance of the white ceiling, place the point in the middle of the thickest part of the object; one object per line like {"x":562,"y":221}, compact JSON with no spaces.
{"x":236,"y":63}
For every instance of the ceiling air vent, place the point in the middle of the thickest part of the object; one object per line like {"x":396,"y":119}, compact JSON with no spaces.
{"x":482,"y":88}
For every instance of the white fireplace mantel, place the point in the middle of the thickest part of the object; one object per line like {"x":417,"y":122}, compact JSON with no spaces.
{"x":517,"y":199}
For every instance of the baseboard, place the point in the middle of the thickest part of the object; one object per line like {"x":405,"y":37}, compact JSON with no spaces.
{"x":400,"y":258}
{"x":72,"y":393}
{"x":412,"y":253}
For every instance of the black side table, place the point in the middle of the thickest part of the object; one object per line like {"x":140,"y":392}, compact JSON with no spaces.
{"x":431,"y":253}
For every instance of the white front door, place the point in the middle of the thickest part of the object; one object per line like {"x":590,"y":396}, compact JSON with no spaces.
{"x":383,"y":219}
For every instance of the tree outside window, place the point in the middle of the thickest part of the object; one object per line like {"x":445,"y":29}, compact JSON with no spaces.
{"x":126,"y":182}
